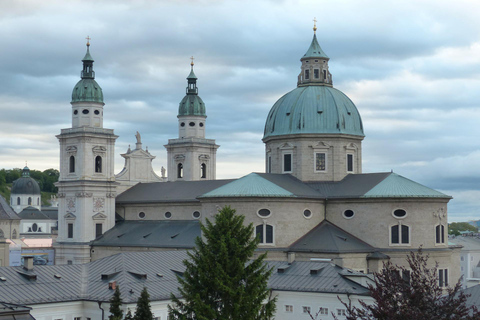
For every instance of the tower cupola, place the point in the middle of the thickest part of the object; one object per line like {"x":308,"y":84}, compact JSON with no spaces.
{"x":315,"y":65}
{"x":87,"y":96}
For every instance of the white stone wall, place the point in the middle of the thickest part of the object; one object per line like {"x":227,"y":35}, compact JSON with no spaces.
{"x":36,"y":201}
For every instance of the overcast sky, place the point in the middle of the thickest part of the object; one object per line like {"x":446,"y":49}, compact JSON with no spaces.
{"x":411,"y":67}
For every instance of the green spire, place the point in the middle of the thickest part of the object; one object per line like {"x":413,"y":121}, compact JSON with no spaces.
{"x":26,"y":172}
{"x":191,"y":104}
{"x":87,"y":72}
{"x":315,"y":51}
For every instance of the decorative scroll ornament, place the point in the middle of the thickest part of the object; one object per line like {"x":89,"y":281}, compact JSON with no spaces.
{"x":84,"y":195}
{"x":98,"y":204}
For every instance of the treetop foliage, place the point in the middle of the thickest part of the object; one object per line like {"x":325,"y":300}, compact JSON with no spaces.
{"x":220,"y":280}
{"x":456,"y":227}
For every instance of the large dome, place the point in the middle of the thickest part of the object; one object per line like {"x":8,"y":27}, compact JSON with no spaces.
{"x":25,"y":184}
{"x":313,"y":109}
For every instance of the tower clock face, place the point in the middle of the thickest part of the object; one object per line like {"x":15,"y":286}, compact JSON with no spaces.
{"x":71,"y":204}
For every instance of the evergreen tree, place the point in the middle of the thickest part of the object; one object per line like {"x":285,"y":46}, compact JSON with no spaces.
{"x":220,"y":282}
{"x":143,"y":311}
{"x":129,"y":316}
{"x":412,"y":293}
{"x":116,"y":312}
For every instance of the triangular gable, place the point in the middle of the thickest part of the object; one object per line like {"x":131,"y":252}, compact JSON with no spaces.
{"x":99,"y":216}
{"x":328,"y":238}
{"x":252,"y":185}
{"x":400,"y":187}
{"x":70,"y":215}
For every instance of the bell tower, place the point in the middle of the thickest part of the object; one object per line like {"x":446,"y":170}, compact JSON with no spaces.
{"x":191,"y":156}
{"x":86,"y":187}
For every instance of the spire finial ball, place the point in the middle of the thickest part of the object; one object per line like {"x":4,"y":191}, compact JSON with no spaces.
{"x":314,"y":25}
{"x":88,"y":41}
{"x":191,"y":63}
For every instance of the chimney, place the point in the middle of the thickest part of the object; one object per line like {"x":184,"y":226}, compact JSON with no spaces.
{"x":112,"y":285}
{"x":290,"y":257}
{"x":28,"y":263}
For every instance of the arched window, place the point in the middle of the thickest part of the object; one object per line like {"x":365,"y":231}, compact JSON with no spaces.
{"x":29,"y":201}
{"x":440,"y":234}
{"x":98,"y":164}
{"x":18,"y":201}
{"x":180,"y":171}
{"x":38,"y":201}
{"x":72,"y":164}
{"x":2,"y":235}
{"x":264,"y":232}
{"x":400,"y":234}
{"x":14,"y":234}
{"x":203,"y":171}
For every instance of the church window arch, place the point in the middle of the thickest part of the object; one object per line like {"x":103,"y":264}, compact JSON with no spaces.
{"x":180,"y":171}
{"x":71,"y":167}
{"x":264,"y":232}
{"x":440,"y":234}
{"x":29,"y":201}
{"x":18,"y":201}
{"x":399,"y":234}
{"x":98,"y":164}
{"x":203,"y":171}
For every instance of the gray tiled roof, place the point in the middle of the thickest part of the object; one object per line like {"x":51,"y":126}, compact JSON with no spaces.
{"x":6,"y":212}
{"x":168,"y":191}
{"x":326,"y":278}
{"x":155,"y":270}
{"x":474,"y":299}
{"x":352,"y":186}
{"x":292,"y":184}
{"x":33,"y":213}
{"x":328,"y":238}
{"x":153,"y":233}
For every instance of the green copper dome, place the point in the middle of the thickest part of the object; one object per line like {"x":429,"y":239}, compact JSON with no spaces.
{"x":313,"y":109}
{"x":192,"y":104}
{"x":87,"y":89}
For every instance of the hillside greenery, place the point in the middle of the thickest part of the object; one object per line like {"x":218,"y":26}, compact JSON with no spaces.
{"x":46,"y":180}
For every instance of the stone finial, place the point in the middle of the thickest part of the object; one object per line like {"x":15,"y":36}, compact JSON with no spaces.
{"x":163,"y":172}
{"x":138,"y":145}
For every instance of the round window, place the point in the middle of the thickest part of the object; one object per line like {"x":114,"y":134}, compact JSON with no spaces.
{"x":75,"y":112}
{"x":141,"y":215}
{"x":399,"y":213}
{"x":307,"y":213}
{"x":96,"y":112}
{"x":168,"y":215}
{"x":348,"y":214}
{"x":264,"y":213}
{"x":192,"y":124}
{"x":201,"y":124}
{"x":196,"y":214}
{"x":182,"y":124}
{"x":85,"y":111}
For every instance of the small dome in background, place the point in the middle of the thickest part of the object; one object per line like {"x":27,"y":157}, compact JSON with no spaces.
{"x":25,"y":184}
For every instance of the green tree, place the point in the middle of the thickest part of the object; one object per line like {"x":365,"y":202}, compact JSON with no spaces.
{"x":220,"y":280}
{"x":456,"y":227}
{"x":143,"y":311}
{"x":412,"y":293}
{"x":116,"y":312}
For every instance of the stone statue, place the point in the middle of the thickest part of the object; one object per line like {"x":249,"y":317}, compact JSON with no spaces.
{"x":163,"y":172}
{"x":139,"y":138}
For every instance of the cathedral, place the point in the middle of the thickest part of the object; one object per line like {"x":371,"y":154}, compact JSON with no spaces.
{"x":312,"y":201}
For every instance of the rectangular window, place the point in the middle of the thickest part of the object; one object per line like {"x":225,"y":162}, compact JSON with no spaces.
{"x":268,"y":233}
{"x":462,"y":258}
{"x":323,"y":311}
{"x":98,"y":230}
{"x":316,"y":73}
{"x":287,"y":162}
{"x":320,"y":162}
{"x":349,"y":162}
{"x":288,"y":308}
{"x":306,"y":309}
{"x":395,"y":235}
{"x":406,"y":276}
{"x":324,"y":74}
{"x":70,"y":231}
{"x":77,"y":318}
{"x":341,"y":312}
{"x":443,"y":278}
{"x":307,"y":74}
{"x":269,"y":165}
{"x":440,"y":234}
